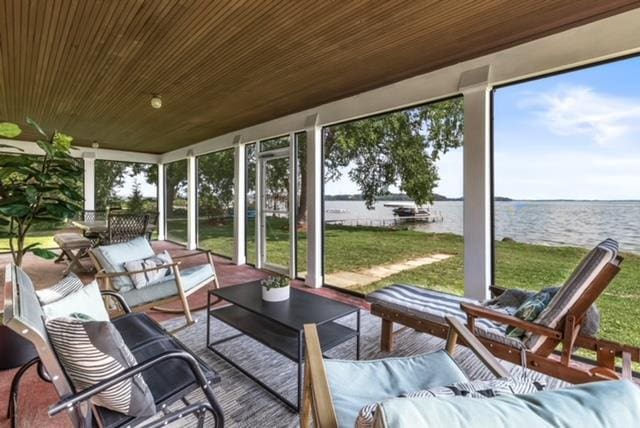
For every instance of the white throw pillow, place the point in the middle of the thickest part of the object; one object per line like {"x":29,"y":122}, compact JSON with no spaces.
{"x":67,"y":285}
{"x":142,"y":279}
{"x":86,"y":300}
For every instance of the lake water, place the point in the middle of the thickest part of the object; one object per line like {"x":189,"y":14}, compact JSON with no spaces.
{"x":582,"y":224}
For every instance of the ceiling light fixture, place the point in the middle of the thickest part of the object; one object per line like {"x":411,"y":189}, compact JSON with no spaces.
{"x":95,"y":145}
{"x":156,"y":101}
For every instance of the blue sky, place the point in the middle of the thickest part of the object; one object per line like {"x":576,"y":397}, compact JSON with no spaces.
{"x":575,"y":135}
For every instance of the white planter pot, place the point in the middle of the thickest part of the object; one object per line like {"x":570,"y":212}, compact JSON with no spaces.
{"x":275,"y":294}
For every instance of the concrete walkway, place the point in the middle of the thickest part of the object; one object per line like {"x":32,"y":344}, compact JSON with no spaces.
{"x":346,"y":279}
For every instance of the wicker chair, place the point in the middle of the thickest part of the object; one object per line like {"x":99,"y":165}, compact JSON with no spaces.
{"x":91,"y":216}
{"x":123,"y":227}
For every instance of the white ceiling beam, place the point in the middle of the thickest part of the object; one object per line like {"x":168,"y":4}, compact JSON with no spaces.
{"x":31,"y":148}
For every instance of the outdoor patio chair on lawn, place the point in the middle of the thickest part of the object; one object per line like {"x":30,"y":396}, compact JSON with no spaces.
{"x":169,"y":370}
{"x":432,"y":391}
{"x":558,"y":324}
{"x":146,"y":280}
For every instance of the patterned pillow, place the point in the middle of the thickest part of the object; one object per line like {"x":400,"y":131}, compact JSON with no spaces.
{"x":91,"y":351}
{"x":476,"y":389}
{"x":529,"y":311}
{"x":67,"y":285}
{"x":141,"y":280}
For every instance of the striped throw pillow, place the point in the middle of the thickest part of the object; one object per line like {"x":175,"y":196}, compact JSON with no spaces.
{"x":475,"y":389}
{"x":142,"y":279}
{"x":67,"y":285}
{"x":92,"y":351}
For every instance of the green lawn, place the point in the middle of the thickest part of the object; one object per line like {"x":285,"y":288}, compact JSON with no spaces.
{"x":518,"y":265}
{"x":44,"y":238}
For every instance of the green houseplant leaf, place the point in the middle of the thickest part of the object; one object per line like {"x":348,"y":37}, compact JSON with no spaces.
{"x":44,"y":253}
{"x":37,"y":127}
{"x":9,"y":130}
{"x":38,"y":190}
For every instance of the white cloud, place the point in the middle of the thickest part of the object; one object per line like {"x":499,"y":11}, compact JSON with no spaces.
{"x":581,"y":111}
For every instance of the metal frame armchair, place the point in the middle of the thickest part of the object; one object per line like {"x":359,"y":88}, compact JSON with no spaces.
{"x":169,"y":359}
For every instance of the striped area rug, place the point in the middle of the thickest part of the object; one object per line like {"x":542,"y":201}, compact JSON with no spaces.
{"x":246,"y":404}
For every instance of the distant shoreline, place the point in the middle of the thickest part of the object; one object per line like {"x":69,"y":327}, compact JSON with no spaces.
{"x":440,"y":198}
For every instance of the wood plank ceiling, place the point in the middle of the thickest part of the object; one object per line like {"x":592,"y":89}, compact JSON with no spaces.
{"x":89,"y":67}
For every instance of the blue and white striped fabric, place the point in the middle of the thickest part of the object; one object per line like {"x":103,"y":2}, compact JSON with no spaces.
{"x":574,"y":287}
{"x":434,"y":306}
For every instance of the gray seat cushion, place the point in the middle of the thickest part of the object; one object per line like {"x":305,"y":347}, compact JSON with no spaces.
{"x":191,"y":277}
{"x":434,"y":306}
{"x":354,"y":384}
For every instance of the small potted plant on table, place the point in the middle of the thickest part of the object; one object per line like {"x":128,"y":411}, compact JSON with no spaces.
{"x":275,"y":289}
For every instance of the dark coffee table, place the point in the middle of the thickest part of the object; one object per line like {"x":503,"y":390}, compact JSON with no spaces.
{"x":280,"y":326}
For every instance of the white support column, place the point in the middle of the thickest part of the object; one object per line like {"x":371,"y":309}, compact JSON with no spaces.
{"x":89,"y":159}
{"x":162,"y":209}
{"x":239,"y":217}
{"x":314,"y":203}
{"x":192,"y":202}
{"x":477,"y":183}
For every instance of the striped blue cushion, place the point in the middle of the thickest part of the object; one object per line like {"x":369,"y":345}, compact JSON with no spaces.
{"x":434,"y":306}
{"x":574,"y":287}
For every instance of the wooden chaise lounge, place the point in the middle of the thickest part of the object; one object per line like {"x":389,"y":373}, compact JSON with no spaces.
{"x":559,"y":324}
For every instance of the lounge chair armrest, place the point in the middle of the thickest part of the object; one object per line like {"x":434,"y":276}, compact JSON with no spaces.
{"x":458,"y":330}
{"x":118,"y":297}
{"x":70,"y":401}
{"x":477,"y":311}
{"x":103,"y":274}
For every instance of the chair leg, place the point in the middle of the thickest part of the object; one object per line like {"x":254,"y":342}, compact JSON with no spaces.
{"x":386,"y":336}
{"x":12,"y":408}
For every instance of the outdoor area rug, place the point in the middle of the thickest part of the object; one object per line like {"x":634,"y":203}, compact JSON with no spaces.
{"x":246,"y":404}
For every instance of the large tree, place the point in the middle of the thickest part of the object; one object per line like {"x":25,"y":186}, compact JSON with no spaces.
{"x":215,"y":182}
{"x":398,"y":149}
{"x":110,"y":176}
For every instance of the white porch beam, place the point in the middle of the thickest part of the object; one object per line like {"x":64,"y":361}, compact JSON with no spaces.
{"x":89,"y":160}
{"x":239,"y":217}
{"x":314,"y":203}
{"x":192,"y":201}
{"x":31,"y":148}
{"x":477,"y":183}
{"x":162,"y":209}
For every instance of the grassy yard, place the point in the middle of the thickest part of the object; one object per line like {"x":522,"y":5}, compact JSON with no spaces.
{"x":518,"y":265}
{"x":44,"y":238}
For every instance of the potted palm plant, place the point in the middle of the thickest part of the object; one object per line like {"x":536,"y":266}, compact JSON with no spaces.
{"x":275,"y":289}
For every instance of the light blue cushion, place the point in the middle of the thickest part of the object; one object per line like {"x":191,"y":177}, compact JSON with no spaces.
{"x":606,"y":404}
{"x":113,"y":257}
{"x":355,"y":384}
{"x":191,"y":277}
